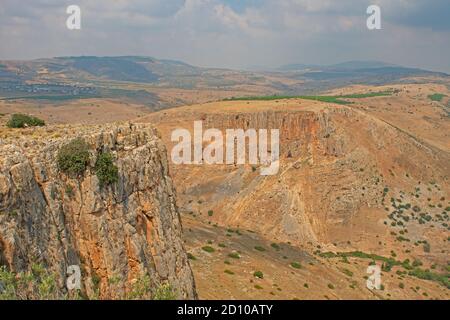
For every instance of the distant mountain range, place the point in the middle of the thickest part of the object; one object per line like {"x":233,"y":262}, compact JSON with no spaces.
{"x":356,"y":70}
{"x":131,"y":77}
{"x":125,"y":68}
{"x":348,"y":65}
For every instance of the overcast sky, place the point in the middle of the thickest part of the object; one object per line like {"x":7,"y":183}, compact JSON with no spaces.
{"x":232,"y":33}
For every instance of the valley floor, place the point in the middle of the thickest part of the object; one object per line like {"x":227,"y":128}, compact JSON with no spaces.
{"x":228,"y":263}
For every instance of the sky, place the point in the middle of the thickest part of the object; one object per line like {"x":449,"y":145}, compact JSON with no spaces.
{"x":238,"y":34}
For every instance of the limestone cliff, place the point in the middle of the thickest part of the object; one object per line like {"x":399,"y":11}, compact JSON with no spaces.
{"x":339,"y":169}
{"x":117,"y":232}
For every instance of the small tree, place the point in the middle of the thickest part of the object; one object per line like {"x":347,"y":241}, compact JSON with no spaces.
{"x":19,"y":120}
{"x":105,"y":169}
{"x":73,"y":157}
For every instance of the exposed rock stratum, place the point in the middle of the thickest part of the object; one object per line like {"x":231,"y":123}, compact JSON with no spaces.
{"x":116,"y":232}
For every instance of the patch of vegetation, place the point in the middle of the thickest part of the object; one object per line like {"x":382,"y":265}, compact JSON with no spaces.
{"x":234,"y":255}
{"x":368,"y":95}
{"x":259,"y":248}
{"x":164,"y":292}
{"x":388,"y":263}
{"x":258,"y":287}
{"x":208,"y":249}
{"x":229,"y":272}
{"x":347,"y":272}
{"x":328,"y":99}
{"x":141,"y":288}
{"x":330,"y":286}
{"x":443,"y":279}
{"x":296,"y":265}
{"x":258,"y":274}
{"x":191,"y":256}
{"x":210,"y":213}
{"x":275,"y":246}
{"x":107,"y":173}
{"x":73,"y":158}
{"x":36,"y":284}
{"x":436,"y":97}
{"x":41,"y":284}
{"x":19,"y":120}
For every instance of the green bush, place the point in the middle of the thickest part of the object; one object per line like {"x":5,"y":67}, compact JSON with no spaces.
{"x":142,"y":290}
{"x":19,"y":120}
{"x":191,"y":256}
{"x":275,"y":246}
{"x":107,"y":173}
{"x":258,"y":274}
{"x":208,"y":249}
{"x":347,"y":272}
{"x":73,"y":157}
{"x":259,"y":248}
{"x":165,"y":292}
{"x":436,"y":97}
{"x":296,"y":265}
{"x":36,"y":284}
{"x":234,"y":255}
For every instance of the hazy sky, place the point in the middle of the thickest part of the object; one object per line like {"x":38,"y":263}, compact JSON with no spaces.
{"x":232,"y":33}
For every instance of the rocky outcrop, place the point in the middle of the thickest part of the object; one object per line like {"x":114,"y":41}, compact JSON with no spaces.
{"x":336,"y":163}
{"x":115,"y":234}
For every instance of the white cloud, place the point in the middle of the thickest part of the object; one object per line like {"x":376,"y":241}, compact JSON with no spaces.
{"x":215,"y":33}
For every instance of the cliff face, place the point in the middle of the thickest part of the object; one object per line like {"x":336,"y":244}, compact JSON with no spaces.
{"x":117,"y":232}
{"x":337,"y":166}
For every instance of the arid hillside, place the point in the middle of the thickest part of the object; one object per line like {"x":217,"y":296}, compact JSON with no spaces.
{"x":367,"y":180}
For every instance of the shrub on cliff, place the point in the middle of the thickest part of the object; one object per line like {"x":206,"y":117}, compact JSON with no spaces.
{"x":36,"y":284}
{"x":105,"y":169}
{"x":19,"y":120}
{"x":141,"y":289}
{"x":73,"y":157}
{"x":165,"y":292}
